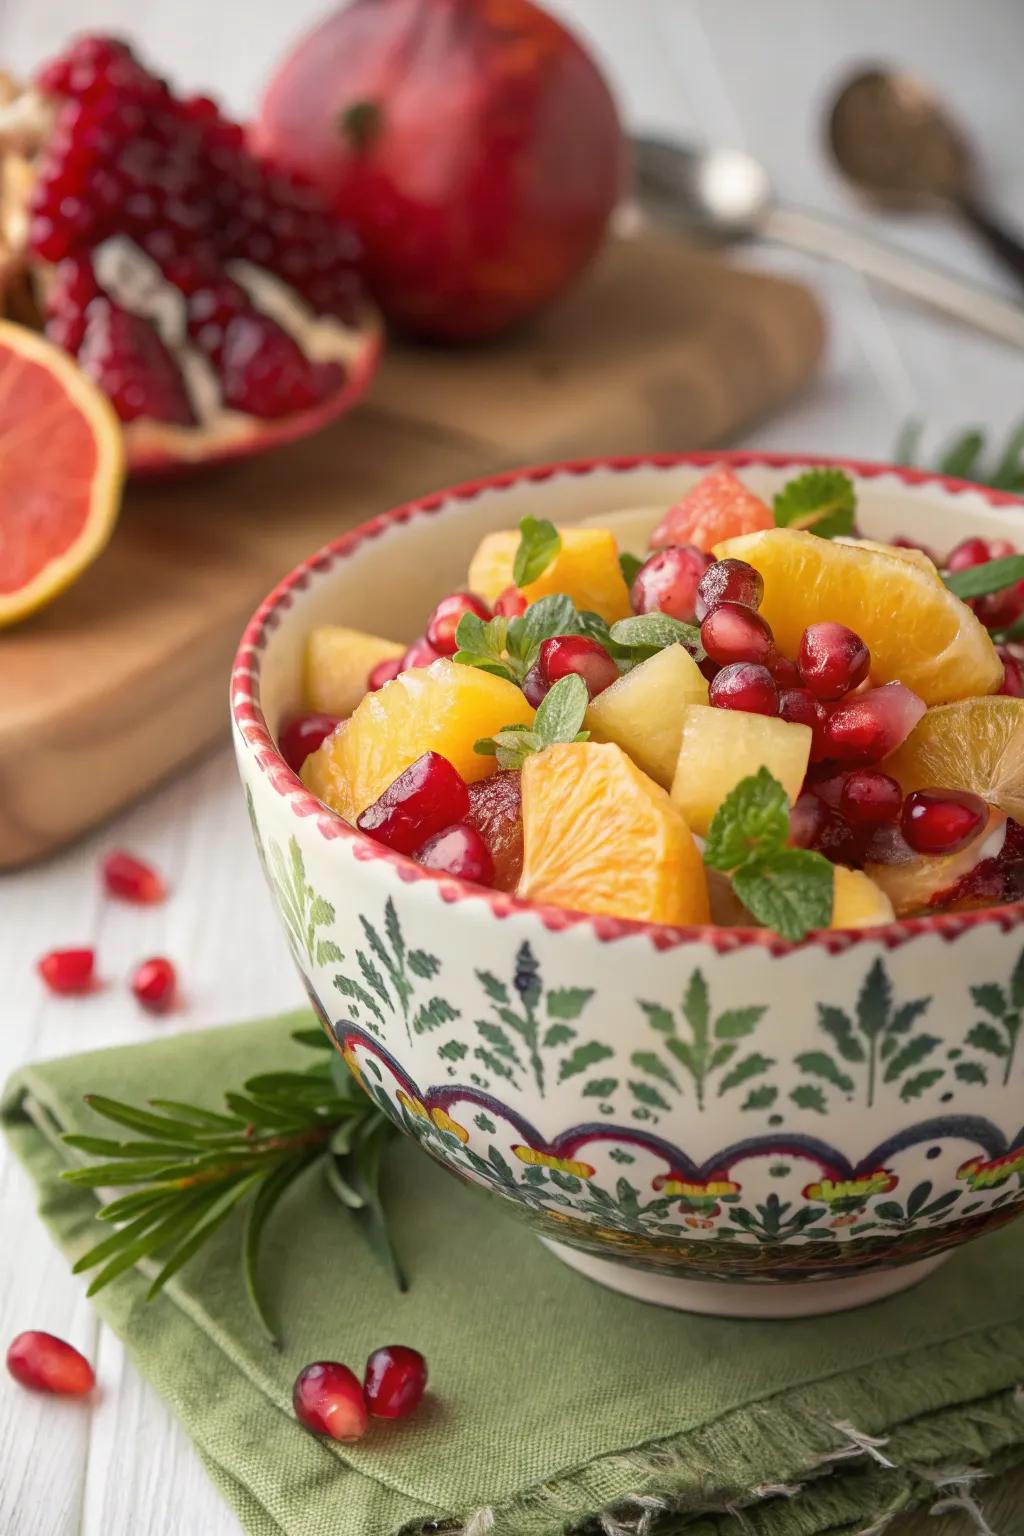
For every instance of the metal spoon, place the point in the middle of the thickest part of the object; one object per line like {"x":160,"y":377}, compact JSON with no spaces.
{"x":725,"y":195}
{"x":892,"y":138}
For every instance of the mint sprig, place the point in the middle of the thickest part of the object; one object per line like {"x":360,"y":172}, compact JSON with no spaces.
{"x":539,"y":544}
{"x":788,"y":889}
{"x":558,"y":719}
{"x":979,"y":580}
{"x":648,"y":633}
{"x":509,"y":647}
{"x":629,"y":565}
{"x":821,"y":501}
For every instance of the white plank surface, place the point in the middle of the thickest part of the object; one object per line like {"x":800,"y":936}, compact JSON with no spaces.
{"x":755,"y":72}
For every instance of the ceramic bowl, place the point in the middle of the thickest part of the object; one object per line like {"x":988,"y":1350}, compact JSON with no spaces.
{"x":712,"y":1119}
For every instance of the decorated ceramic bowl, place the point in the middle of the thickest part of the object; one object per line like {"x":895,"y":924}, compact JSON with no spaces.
{"x":708,"y":1118}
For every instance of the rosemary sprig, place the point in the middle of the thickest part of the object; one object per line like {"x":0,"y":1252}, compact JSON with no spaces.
{"x":193,"y":1166}
{"x":964,"y":456}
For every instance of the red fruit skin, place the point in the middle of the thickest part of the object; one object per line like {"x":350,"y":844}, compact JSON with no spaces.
{"x":732,"y":632}
{"x":68,"y":972}
{"x":132,"y":879}
{"x":473,"y":143}
{"x":460,"y":851}
{"x":427,"y":797}
{"x":303,"y":735}
{"x":868,"y":726}
{"x":729,"y":581}
{"x":669,"y":582}
{"x":1013,"y":674}
{"x":444,"y":620}
{"x":587,"y":658}
{"x":395,"y":1381}
{"x":384,"y":672}
{"x":154,"y":984}
{"x":45,"y":1363}
{"x":328,"y":1399}
{"x":510,"y":603}
{"x":869,"y":798}
{"x":743,"y":685}
{"x":496,"y":810}
{"x":420,"y":654}
{"x":832,"y":660}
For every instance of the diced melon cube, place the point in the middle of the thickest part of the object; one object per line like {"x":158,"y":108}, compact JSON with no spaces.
{"x":643,"y":712}
{"x":586,"y":569}
{"x":338,"y":662}
{"x":858,"y":902}
{"x":722,"y":746}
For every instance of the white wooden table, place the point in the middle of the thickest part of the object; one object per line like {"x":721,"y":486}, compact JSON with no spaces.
{"x":756,"y":73}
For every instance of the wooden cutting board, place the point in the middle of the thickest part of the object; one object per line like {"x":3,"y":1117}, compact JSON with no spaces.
{"x":124,"y":678}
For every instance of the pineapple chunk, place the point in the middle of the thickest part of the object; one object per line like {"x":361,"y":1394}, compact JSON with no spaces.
{"x":338,"y":662}
{"x":858,"y":902}
{"x":442,"y":708}
{"x":643,"y":711}
{"x":722,"y":746}
{"x":586,"y":569}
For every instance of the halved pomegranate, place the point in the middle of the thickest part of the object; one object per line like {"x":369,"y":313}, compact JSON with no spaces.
{"x":215,"y":299}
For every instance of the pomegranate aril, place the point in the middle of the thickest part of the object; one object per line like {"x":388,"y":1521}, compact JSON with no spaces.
{"x":832,"y":660}
{"x":124,"y":355}
{"x":800,"y":707}
{"x":460,"y":851}
{"x":328,"y":1399}
{"x":394,"y":1381}
{"x":384,"y":672}
{"x":420,"y":654}
{"x":977,"y":551}
{"x":998,"y":610}
{"x":265,"y":373}
{"x":729,"y":581}
{"x":744,"y":685}
{"x":732,"y":632}
{"x":813,"y":824}
{"x":68,"y":972}
{"x":496,"y":810}
{"x":870,"y":798}
{"x":535,"y":686}
{"x":668,"y":582}
{"x":45,"y":1363}
{"x":586,"y":657}
{"x":942,"y":820}
{"x":132,"y":879}
{"x":303,"y":735}
{"x":154,"y":984}
{"x":510,"y":604}
{"x":427,"y":797}
{"x":785,"y":672}
{"x":866,"y":728}
{"x":1013,"y":673}
{"x":444,"y":620}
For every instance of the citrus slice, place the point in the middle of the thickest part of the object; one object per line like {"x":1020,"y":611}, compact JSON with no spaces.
{"x":600,"y":836}
{"x":917,"y":631}
{"x":976,"y":744}
{"x":586,"y":569}
{"x":62,"y":463}
{"x":906,"y":552}
{"x":718,"y":507}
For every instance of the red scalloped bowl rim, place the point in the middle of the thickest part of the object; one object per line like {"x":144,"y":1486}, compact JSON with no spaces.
{"x":359,"y":371}
{"x":253,"y":729}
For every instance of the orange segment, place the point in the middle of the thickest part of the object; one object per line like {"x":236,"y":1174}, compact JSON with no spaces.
{"x":61,"y":464}
{"x":586,"y":569}
{"x":917,"y":631}
{"x":718,"y":507}
{"x":338,"y":662}
{"x":442,"y":708}
{"x":975,"y":744}
{"x":600,"y":836}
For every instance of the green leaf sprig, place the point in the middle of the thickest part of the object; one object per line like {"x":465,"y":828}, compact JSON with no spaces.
{"x":788,"y":889}
{"x":964,"y":457}
{"x":821,"y":501}
{"x":539,"y":545}
{"x":558,"y":719}
{"x":992,"y":576}
{"x":509,"y":647}
{"x":193,"y":1167}
{"x":648,"y":633}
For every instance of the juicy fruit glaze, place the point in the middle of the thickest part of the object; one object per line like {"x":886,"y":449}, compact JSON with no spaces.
{"x":766,"y":721}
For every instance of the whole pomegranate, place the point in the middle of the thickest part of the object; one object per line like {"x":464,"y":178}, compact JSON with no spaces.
{"x":473,"y":143}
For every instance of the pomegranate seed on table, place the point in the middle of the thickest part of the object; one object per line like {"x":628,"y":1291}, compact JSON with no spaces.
{"x":1013,"y":673}
{"x":45,"y":1363}
{"x":68,"y":972}
{"x":800,"y":707}
{"x":668,"y":582}
{"x":132,"y":879}
{"x":744,"y":685}
{"x":384,"y":672}
{"x":427,"y":797}
{"x":564,"y":654}
{"x":444,"y":620}
{"x":496,"y":810}
{"x":303,"y":735}
{"x":154,"y":984}
{"x":732,"y":632}
{"x":459,"y":850}
{"x":328,"y":1399}
{"x":535,"y":686}
{"x":869,"y":798}
{"x":394,"y":1381}
{"x":942,"y":820}
{"x":832,"y":660}
{"x":420,"y":654}
{"x":510,"y":604}
{"x":729,"y":581}
{"x":866,"y":728}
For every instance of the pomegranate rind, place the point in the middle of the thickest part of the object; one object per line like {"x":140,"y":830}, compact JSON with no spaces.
{"x":974,"y":744}
{"x":600,"y":836}
{"x":39,"y":438}
{"x":918,"y":633}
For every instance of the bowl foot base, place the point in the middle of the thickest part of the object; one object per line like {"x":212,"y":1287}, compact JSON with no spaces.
{"x":718,"y":1298}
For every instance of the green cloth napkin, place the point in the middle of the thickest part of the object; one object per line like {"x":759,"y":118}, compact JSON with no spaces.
{"x":555,"y":1406}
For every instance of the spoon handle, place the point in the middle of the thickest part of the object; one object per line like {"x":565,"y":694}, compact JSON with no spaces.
{"x":999,"y":239}
{"x":906,"y":274}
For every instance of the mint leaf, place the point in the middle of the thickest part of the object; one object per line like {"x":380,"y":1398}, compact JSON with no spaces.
{"x":821,"y":501}
{"x":511,"y":746}
{"x":483,"y":644}
{"x":629,"y":565}
{"x":993,"y":576}
{"x":548,"y":616}
{"x":539,"y":544}
{"x":751,"y":823}
{"x":560,"y":714}
{"x":650,"y":632}
{"x":792,"y":891}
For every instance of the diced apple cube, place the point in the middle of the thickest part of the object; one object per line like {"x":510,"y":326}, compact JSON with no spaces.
{"x":338,"y":662}
{"x":722,"y":746}
{"x":643,"y":712}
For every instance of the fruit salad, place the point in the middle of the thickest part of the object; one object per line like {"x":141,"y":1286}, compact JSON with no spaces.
{"x":763,"y":719}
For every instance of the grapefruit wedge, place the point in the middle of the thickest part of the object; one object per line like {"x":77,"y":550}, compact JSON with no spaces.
{"x":61,"y":468}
